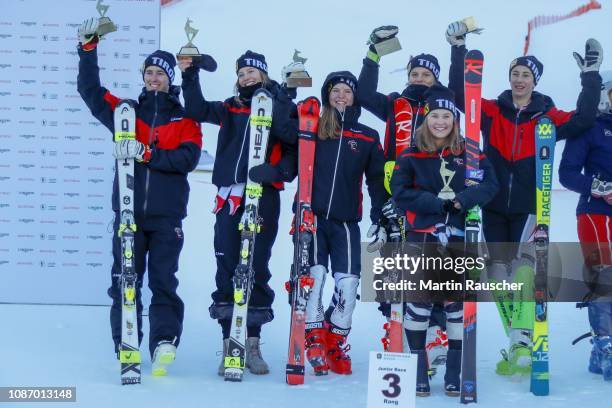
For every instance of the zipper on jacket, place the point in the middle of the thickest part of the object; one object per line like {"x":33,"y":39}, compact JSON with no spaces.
{"x":331,"y":194}
{"x":414,"y":126}
{"x":518,"y":114}
{"x":240,"y":155}
{"x":146,"y":192}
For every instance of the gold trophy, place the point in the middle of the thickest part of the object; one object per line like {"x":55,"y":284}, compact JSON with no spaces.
{"x":298,"y":78}
{"x":447,"y":175}
{"x":105,"y":25}
{"x":189,"y":50}
{"x":472,"y":25}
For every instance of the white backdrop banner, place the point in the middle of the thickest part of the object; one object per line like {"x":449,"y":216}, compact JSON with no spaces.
{"x":56,"y":163}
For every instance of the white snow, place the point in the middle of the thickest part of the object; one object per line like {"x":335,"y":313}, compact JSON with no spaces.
{"x":71,"y":346}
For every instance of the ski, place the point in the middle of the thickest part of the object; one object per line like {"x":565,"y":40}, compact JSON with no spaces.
{"x":403,"y":125}
{"x":393,"y":340}
{"x":300,"y":282}
{"x":473,"y":65}
{"x":249,"y":226}
{"x":545,"y":135}
{"x":129,"y":353}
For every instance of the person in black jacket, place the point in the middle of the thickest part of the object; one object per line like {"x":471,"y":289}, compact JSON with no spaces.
{"x":166,"y":149}
{"x":345,"y":151}
{"x":428,"y":186}
{"x":230,"y":174}
{"x":508,"y":124}
{"x":423,"y":71}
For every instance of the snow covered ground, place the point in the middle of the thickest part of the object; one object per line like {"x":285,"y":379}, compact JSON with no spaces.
{"x":71,"y":346}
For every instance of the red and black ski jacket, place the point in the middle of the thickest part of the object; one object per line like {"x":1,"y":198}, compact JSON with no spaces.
{"x":231,"y":161}
{"x":160,"y":185}
{"x":509,"y":134}
{"x":381,"y":105}
{"x":416,"y":183}
{"x":340,"y":164}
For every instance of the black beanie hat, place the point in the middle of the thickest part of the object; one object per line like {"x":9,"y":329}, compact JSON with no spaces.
{"x":531,"y":62}
{"x":426,"y":61}
{"x":440,"y":97}
{"x":252,"y":59}
{"x":162,"y":59}
{"x":338,"y":77}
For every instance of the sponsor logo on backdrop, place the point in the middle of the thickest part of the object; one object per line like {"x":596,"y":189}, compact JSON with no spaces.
{"x":72,"y":137}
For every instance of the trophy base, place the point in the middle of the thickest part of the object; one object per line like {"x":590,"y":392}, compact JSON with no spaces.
{"x":299,"y":80}
{"x":446,"y":195}
{"x":388,"y":46}
{"x":188,"y":52}
{"x":105,"y":26}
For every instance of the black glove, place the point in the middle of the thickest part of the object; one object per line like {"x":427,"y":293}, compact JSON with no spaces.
{"x":390,"y":210}
{"x":449,"y":207}
{"x":265,"y":173}
{"x":205,"y":62}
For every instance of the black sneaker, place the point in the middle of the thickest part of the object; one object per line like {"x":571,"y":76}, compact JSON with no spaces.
{"x":452,"y":390}
{"x":423,"y":390}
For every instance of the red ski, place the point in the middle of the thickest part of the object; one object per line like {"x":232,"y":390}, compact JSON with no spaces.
{"x":403,"y":125}
{"x":394,"y":328}
{"x":473,"y":175}
{"x":301,"y":283}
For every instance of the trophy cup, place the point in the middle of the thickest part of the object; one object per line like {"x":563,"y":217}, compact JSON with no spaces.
{"x":447,"y":175}
{"x":385,"y":47}
{"x":189,"y":50}
{"x":472,"y":26}
{"x":298,"y":78}
{"x":105,"y":25}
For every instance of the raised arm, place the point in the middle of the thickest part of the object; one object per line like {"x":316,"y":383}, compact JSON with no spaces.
{"x":582,"y":119}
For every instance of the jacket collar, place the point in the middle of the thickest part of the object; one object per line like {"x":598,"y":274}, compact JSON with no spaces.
{"x":166,"y":101}
{"x":539,"y":103}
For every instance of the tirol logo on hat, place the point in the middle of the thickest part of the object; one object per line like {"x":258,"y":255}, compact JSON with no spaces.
{"x":252,"y":59}
{"x":162,"y":59}
{"x":440,"y":97}
{"x":531,"y":62}
{"x":426,"y":61}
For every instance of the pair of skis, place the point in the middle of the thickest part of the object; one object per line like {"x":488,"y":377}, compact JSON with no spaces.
{"x":300,"y":282}
{"x":249,"y":226}
{"x":129,"y":353}
{"x":545,"y":135}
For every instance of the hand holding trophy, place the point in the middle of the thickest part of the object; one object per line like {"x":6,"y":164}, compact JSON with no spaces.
{"x":189,"y":55}
{"x":295,"y":74}
{"x":105,"y":24}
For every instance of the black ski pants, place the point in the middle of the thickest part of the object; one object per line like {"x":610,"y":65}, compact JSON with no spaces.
{"x":227,"y":252}
{"x":158,"y":243}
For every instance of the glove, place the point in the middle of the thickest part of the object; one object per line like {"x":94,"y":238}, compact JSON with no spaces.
{"x":132,"y":149}
{"x":442,"y":232}
{"x":205,"y":62}
{"x":88,"y":31}
{"x":380,"y":237}
{"x":383,"y":33}
{"x":602,"y":189}
{"x":379,"y":35}
{"x":390,"y":210}
{"x":593,"y":56}
{"x":449,"y":207}
{"x":264,"y":173}
{"x":455,"y":33}
{"x":290,"y":68}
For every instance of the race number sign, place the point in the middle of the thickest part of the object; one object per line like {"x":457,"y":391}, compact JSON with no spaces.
{"x":391,"y":380}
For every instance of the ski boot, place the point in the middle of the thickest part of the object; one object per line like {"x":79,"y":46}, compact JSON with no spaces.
{"x":436,"y":346}
{"x":254,"y":361}
{"x":452,"y":384}
{"x":604,"y":347}
{"x":221,"y":369}
{"x":337,"y":358}
{"x":518,"y":359}
{"x":164,"y":355}
{"x":595,"y":360}
{"x":422,"y":386}
{"x":316,"y":350}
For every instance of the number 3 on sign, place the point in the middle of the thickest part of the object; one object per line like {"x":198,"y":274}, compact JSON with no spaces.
{"x":391,"y":380}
